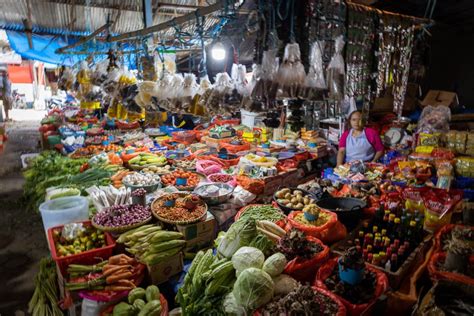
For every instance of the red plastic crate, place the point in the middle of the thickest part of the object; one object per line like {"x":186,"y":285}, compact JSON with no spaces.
{"x":87,"y":257}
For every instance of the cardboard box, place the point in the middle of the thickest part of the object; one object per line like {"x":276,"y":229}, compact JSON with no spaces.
{"x":385,"y":104}
{"x":438,"y":97}
{"x":163,"y":271}
{"x":273,"y":186}
{"x":199,"y":235}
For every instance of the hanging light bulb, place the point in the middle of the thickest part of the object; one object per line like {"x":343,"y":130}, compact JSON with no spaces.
{"x":218,"y":51}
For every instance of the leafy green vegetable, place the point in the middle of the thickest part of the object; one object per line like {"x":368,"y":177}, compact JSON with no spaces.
{"x":247,"y":257}
{"x":46,"y":170}
{"x":253,"y":288}
{"x":241,"y":233}
{"x":275,"y":264}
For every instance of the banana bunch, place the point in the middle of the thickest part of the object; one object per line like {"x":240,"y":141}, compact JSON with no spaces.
{"x":151,"y":245}
{"x":146,"y":159}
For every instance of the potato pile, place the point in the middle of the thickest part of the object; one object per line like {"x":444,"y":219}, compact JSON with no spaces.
{"x":157,"y":170}
{"x":293,"y":199}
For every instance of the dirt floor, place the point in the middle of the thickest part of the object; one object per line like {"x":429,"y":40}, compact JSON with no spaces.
{"x":22,"y":238}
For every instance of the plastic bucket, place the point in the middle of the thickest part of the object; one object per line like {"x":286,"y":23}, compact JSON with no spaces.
{"x":350,"y":276}
{"x":64,"y":210}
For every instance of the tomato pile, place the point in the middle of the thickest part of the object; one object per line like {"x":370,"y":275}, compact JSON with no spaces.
{"x":170,"y":179}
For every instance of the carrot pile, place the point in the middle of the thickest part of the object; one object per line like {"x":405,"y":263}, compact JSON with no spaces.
{"x":118,"y":177}
{"x":170,"y":179}
{"x":116,"y":274}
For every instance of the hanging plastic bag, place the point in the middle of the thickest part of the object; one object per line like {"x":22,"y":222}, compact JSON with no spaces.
{"x":99,"y":75}
{"x":223,"y":83}
{"x":315,"y":77}
{"x":335,"y":76}
{"x":239,"y":78}
{"x":291,"y":74}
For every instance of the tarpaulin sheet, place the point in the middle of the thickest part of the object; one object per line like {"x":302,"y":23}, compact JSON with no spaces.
{"x":44,"y":47}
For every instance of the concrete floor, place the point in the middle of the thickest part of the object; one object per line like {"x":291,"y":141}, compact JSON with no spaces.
{"x":22,"y":238}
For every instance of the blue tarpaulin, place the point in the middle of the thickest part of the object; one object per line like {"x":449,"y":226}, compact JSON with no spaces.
{"x":44,"y":47}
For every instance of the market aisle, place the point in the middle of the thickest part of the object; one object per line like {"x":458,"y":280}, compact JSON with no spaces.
{"x":22,"y":239}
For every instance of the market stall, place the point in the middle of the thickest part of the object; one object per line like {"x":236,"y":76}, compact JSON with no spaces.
{"x":168,"y":194}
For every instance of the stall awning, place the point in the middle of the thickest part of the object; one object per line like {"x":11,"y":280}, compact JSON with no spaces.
{"x":44,"y":47}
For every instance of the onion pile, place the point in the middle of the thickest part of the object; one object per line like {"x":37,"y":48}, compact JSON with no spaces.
{"x":122,"y":215}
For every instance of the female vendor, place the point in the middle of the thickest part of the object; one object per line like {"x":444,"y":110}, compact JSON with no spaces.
{"x":359,"y":142}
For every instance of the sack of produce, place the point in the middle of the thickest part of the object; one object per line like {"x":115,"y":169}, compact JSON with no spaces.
{"x":447,"y":298}
{"x":356,"y":298}
{"x":304,"y":298}
{"x":305,"y":254}
{"x":438,"y":270}
{"x":319,"y":228}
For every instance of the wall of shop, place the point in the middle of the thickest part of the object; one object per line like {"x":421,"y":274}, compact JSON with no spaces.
{"x":452,"y":63}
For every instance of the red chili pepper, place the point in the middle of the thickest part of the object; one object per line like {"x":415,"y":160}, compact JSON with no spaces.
{"x":84,"y":167}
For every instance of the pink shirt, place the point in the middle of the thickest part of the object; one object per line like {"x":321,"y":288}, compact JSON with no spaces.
{"x":372,"y":136}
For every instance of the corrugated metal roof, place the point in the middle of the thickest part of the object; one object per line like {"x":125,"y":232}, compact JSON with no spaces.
{"x":59,"y":14}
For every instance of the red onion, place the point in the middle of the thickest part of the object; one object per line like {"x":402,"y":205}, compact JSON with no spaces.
{"x":122,"y":215}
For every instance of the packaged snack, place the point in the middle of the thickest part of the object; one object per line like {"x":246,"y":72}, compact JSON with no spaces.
{"x":464,"y":166}
{"x":439,"y":205}
{"x":426,"y":139}
{"x":413,"y":197}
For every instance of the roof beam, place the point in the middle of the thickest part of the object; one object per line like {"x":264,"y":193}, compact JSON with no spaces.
{"x":85,"y":39}
{"x":93,"y":4}
{"x":165,"y":25}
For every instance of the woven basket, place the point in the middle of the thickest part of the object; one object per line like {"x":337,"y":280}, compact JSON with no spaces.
{"x":120,"y":229}
{"x":168,"y":221}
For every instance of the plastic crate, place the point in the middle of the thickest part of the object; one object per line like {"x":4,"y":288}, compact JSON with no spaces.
{"x":87,"y":257}
{"x":395,"y":279}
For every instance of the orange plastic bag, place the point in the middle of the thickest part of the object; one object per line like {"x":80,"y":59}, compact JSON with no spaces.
{"x":233,"y":149}
{"x":435,"y":273}
{"x":304,"y":270}
{"x":254,"y":186}
{"x":325,"y":272}
{"x":320,"y":232}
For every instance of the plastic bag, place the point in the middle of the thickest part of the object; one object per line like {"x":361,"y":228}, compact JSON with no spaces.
{"x":320,"y":232}
{"x":352,"y":309}
{"x":208,"y":167}
{"x":439,"y":206}
{"x":335,"y":76}
{"x":315,"y":77}
{"x":291,"y":74}
{"x":242,"y":197}
{"x":239,"y":78}
{"x":434,"y":119}
{"x":223,"y":83}
{"x":304,"y":270}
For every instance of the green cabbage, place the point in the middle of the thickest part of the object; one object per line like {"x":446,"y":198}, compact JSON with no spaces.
{"x":247,"y":257}
{"x":253,"y":288}
{"x":275,"y":264}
